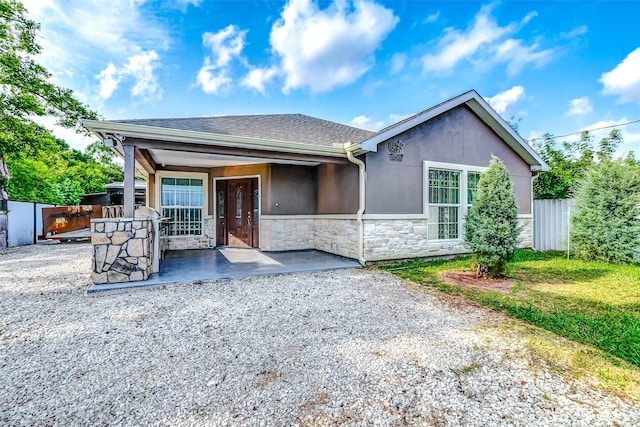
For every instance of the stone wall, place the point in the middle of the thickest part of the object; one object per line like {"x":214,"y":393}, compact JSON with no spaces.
{"x":330,"y":234}
{"x":206,"y":241}
{"x":337,"y":236}
{"x":389,"y":239}
{"x":525,"y":222}
{"x":122,"y":249}
{"x":286,"y":234}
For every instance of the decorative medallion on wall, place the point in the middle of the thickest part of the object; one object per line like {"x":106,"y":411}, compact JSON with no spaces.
{"x":396,"y":150}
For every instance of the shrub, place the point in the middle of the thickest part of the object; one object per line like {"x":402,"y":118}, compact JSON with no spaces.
{"x":605,"y":225}
{"x":491,"y":225}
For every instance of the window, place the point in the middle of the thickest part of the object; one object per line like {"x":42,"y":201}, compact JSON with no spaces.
{"x":472,"y":186}
{"x":450,"y":189}
{"x":444,"y":203}
{"x":182,"y":201}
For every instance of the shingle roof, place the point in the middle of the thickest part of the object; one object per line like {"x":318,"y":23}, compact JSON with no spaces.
{"x":279,"y":127}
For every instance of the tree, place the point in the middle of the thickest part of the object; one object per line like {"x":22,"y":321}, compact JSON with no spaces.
{"x":26,"y":91}
{"x":491,"y":225}
{"x":60,"y":175}
{"x":569,"y":162}
{"x":605,"y":226}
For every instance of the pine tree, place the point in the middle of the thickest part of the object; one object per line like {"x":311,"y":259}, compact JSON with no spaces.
{"x":605,"y":226}
{"x":491,"y":225}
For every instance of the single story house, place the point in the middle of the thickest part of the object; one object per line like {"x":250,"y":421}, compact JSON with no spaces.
{"x":290,"y":181}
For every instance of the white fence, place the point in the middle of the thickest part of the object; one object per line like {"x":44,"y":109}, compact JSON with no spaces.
{"x":24,"y":222}
{"x":551,"y":222}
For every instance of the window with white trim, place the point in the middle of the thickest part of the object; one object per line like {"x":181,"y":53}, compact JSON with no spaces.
{"x":472,"y":186}
{"x":450,"y":190}
{"x":444,"y":204}
{"x":182,"y":201}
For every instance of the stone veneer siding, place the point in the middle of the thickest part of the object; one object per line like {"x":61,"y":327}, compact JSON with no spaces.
{"x":384,"y":239}
{"x":390,"y":239}
{"x":335,"y":235}
{"x":206,"y":241}
{"x":122,"y":249}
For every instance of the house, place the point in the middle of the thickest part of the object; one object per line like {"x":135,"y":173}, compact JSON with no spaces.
{"x":290,"y":181}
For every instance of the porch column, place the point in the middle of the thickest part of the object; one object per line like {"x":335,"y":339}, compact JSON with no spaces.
{"x":129,"y":180}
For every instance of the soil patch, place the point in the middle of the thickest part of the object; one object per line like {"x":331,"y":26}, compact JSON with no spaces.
{"x":468,"y":279}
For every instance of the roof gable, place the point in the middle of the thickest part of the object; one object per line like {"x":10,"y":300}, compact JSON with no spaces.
{"x":481,"y":108}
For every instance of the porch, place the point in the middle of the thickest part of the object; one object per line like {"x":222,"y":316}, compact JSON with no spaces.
{"x":232,"y":263}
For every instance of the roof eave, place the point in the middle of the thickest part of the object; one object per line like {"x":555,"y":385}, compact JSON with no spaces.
{"x":100,"y":128}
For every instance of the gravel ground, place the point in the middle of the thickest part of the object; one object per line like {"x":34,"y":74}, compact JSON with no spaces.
{"x":337,"y":347}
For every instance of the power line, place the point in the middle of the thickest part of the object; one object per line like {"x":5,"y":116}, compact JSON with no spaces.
{"x":588,"y":130}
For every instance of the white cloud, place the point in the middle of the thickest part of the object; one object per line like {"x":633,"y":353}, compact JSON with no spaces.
{"x":398,"y":61}
{"x":503,"y":100}
{"x":624,"y":80}
{"x":516,"y":55}
{"x":364,"y":122}
{"x":80,"y":38}
{"x":139,"y":68}
{"x":226,"y":45}
{"x":322,"y":49}
{"x":183,"y":4}
{"x":395,"y":118}
{"x":257,"y":77}
{"x":484,"y":41}
{"x":109,"y":80}
{"x":210,"y":80}
{"x":579,"y":106}
{"x":578,"y":31}
{"x":432,"y":18}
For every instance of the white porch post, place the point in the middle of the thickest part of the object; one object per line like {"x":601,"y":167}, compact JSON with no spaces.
{"x":129,"y":180}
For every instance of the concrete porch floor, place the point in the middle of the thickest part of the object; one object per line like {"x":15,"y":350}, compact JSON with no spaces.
{"x":231,"y":263}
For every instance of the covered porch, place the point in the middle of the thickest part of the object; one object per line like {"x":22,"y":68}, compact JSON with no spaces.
{"x":232,"y":263}
{"x":226,"y":192}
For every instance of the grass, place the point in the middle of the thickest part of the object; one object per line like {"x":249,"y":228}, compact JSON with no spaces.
{"x":588,"y":302}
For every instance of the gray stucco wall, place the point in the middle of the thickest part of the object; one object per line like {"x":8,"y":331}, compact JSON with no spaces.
{"x":337,"y":189}
{"x":457,"y":136}
{"x":293,"y":190}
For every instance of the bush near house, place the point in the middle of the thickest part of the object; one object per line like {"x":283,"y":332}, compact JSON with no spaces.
{"x":593,"y":303}
{"x":605,"y":226}
{"x":491,"y":226}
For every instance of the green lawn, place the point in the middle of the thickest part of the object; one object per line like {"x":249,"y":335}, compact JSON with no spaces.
{"x":588,"y":302}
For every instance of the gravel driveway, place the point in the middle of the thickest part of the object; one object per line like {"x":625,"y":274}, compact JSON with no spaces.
{"x":337,"y":347}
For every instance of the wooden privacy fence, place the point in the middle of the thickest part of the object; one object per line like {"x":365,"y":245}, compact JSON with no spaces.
{"x":62,"y":219}
{"x":551,"y":224}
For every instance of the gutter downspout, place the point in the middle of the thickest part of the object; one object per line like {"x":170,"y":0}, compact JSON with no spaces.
{"x":362,"y":181}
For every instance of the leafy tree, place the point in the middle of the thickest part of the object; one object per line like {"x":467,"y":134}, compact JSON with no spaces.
{"x":491,"y":225}
{"x":67,"y":192}
{"x":27,"y":91}
{"x":59,"y":175}
{"x":605,"y":226}
{"x":569,"y":162}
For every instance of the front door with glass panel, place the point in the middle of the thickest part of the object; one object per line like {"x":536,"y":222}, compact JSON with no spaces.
{"x":237,"y":221}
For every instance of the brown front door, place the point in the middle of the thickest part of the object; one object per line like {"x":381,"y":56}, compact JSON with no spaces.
{"x":237,"y":219}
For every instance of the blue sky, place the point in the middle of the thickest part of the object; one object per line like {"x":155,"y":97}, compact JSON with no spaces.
{"x":560,"y":67}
